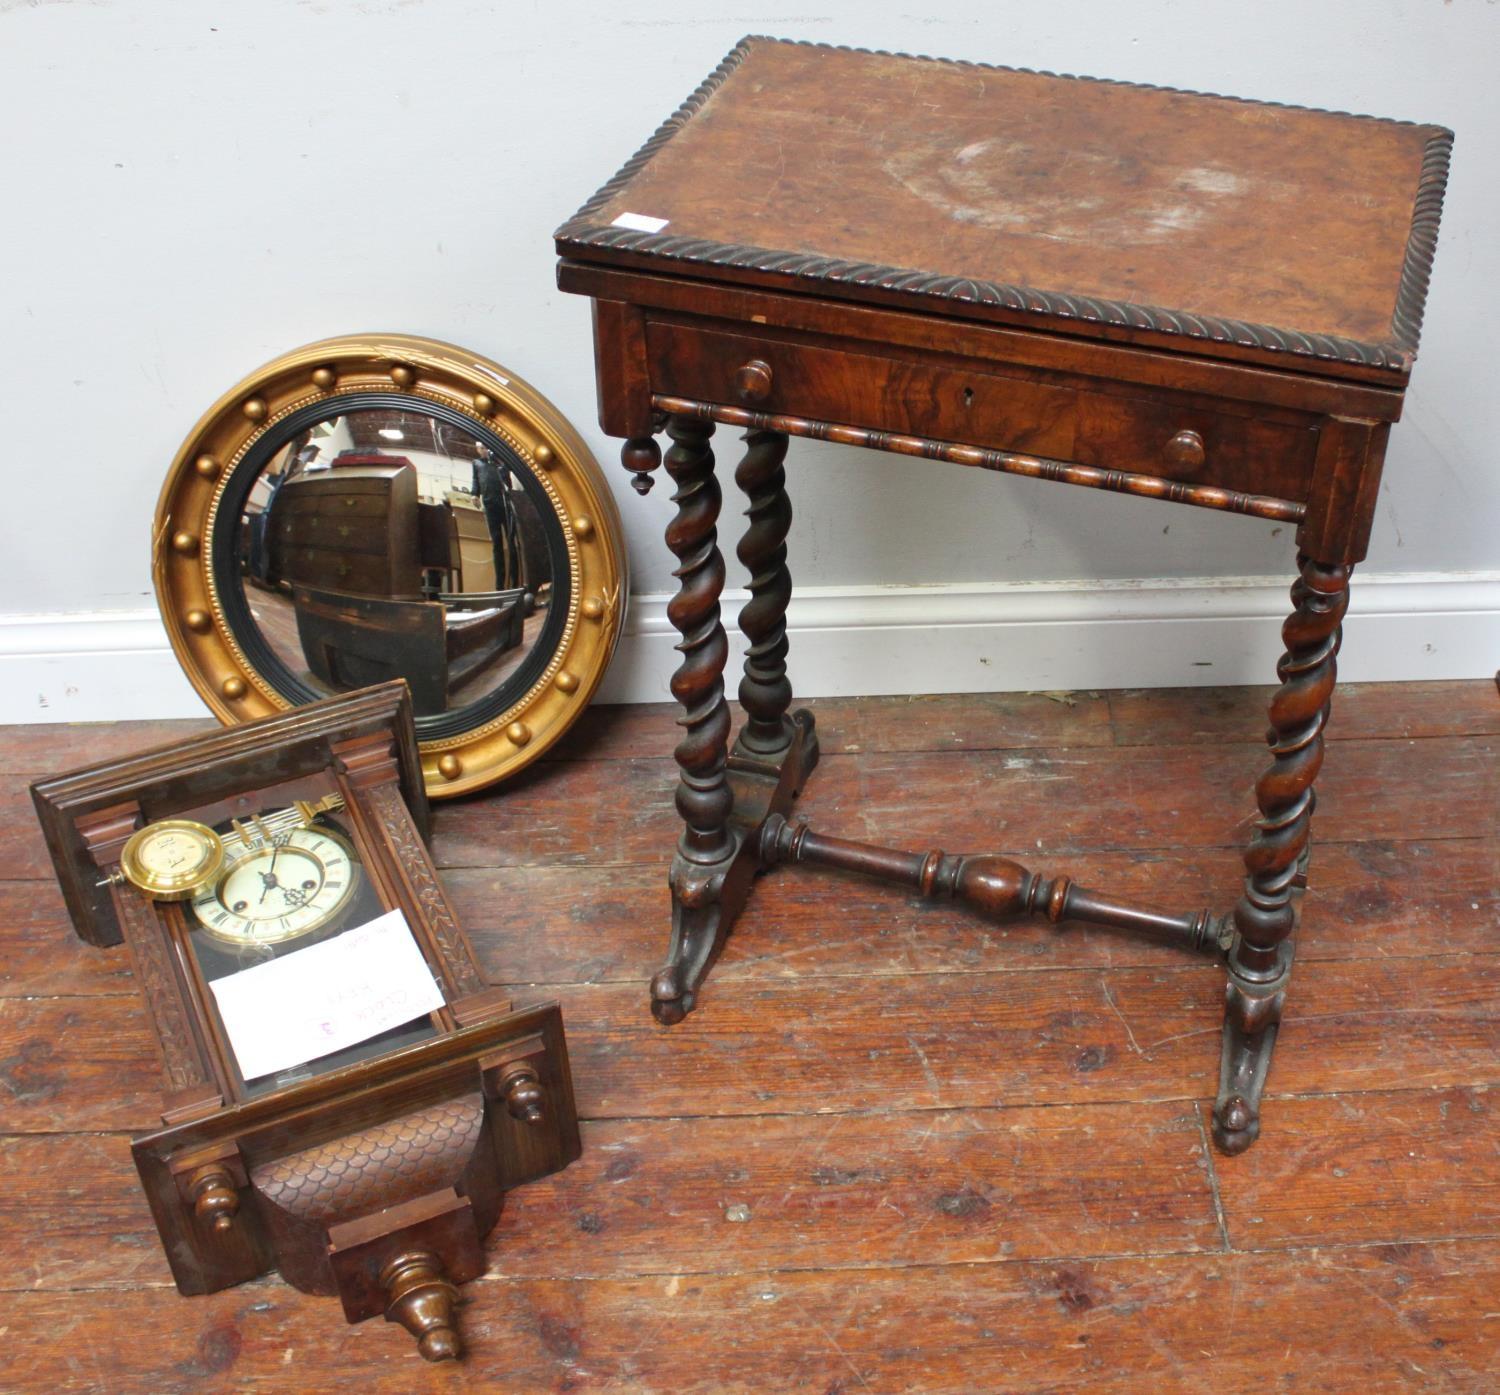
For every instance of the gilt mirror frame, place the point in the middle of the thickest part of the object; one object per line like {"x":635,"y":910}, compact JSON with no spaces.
{"x":224,"y":453}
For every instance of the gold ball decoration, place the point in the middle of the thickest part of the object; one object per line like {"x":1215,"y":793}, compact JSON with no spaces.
{"x":543,"y":456}
{"x":198,"y":621}
{"x":256,"y":409}
{"x":207,"y":466}
{"x":583,"y":526}
{"x":567,"y":682}
{"x":485,"y":405}
{"x":185,"y":543}
{"x":403,"y":375}
{"x":519,"y":733}
{"x":233,"y":686}
{"x":593,"y":608}
{"x":449,"y":766}
{"x":324,"y":378}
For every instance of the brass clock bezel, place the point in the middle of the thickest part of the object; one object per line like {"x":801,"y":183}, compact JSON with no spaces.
{"x":495,"y":399}
{"x":165,"y":886}
{"x":356,"y":878}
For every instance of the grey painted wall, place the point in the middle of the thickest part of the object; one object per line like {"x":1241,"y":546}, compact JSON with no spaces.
{"x":191,"y":187}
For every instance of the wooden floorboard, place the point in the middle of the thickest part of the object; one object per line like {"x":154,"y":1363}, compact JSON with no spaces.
{"x":1153,"y":716}
{"x":1380,"y":1320}
{"x":670,"y":1196}
{"x":897,"y":1149}
{"x":1408,"y":1164}
{"x":603,"y":924}
{"x":939,"y":1041}
{"x":1038,"y":804}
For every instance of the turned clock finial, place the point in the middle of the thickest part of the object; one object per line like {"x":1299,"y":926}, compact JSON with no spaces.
{"x":641,"y":455}
{"x":421,"y":1300}
{"x":522,"y":1091}
{"x":216,"y":1201}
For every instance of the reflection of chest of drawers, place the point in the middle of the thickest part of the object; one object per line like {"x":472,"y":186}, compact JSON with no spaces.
{"x":352,"y":529}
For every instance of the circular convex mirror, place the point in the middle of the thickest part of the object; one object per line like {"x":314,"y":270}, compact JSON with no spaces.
{"x":384,"y":507}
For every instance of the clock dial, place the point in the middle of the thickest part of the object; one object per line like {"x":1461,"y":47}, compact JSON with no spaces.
{"x":299,"y":883}
{"x":172,"y":859}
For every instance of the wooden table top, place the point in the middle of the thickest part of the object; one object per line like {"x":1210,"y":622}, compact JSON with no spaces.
{"x":1224,"y":227}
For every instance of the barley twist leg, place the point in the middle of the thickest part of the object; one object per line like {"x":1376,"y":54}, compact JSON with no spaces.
{"x":1260,"y":958}
{"x":704,"y":798}
{"x":765,"y":692}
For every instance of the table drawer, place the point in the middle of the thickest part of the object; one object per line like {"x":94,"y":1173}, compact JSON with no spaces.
{"x":1171,"y":436}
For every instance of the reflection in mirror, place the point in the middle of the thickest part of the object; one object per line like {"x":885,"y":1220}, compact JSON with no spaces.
{"x":383,"y":542}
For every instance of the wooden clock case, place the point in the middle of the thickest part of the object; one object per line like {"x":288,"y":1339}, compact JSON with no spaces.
{"x":375,"y":1181}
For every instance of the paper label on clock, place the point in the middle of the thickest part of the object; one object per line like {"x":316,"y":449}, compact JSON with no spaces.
{"x":318,"y":1000}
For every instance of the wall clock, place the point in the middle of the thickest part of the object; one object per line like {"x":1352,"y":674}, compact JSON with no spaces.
{"x":346,"y":1100}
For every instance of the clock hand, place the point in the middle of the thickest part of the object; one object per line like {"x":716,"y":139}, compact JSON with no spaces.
{"x":268,"y":877}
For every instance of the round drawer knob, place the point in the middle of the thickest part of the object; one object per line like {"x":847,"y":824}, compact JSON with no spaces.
{"x":1185,"y":451}
{"x":753,"y":381}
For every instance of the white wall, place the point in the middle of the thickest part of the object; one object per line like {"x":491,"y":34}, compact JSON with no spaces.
{"x":173,"y":174}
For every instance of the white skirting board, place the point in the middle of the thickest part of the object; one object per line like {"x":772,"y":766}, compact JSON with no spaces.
{"x":117,"y":665}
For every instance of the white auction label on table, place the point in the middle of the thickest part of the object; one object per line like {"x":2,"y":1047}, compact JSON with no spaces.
{"x":321,"y":999}
{"x":639,"y":222}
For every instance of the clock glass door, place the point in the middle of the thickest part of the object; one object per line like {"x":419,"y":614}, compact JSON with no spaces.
{"x":301,"y":962}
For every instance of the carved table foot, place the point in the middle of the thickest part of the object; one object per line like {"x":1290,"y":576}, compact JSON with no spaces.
{"x":707,"y":898}
{"x":697,"y":936}
{"x":1252,"y":1014}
